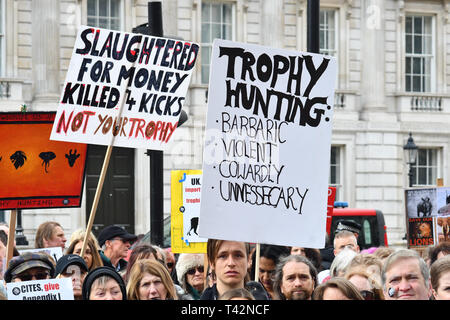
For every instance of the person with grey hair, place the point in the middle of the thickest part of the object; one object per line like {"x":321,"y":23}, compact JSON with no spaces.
{"x":341,"y":262}
{"x":406,"y":276}
{"x":295,"y":278}
{"x":190,"y":270}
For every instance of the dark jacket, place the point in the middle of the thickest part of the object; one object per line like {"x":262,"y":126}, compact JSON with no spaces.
{"x":121,"y":266}
{"x":327,"y":255}
{"x":255,"y":288}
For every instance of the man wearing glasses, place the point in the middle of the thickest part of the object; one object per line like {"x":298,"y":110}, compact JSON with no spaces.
{"x":115,"y":243}
{"x":345,"y":239}
{"x":30,"y":266}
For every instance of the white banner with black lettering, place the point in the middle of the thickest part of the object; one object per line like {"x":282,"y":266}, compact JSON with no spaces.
{"x":267,"y":147}
{"x":124,"y":85}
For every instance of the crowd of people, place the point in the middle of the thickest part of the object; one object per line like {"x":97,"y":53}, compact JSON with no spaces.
{"x":116,"y":265}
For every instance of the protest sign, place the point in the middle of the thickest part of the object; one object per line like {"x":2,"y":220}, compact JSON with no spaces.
{"x":427,"y":216}
{"x":50,"y":289}
{"x":124,"y":87}
{"x":37,"y":172}
{"x":54,"y":252}
{"x":185,"y":212}
{"x":267,"y":145}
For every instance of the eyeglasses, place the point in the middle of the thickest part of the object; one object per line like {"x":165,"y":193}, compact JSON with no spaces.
{"x":200,"y":269}
{"x":368,"y":295}
{"x":29,"y":277}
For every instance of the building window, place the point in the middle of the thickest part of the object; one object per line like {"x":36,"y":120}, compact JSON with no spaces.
{"x":104,"y":14}
{"x":327,"y":32}
{"x":216,"y":24}
{"x":419,"y":53}
{"x":335,"y":171}
{"x":426,"y":168}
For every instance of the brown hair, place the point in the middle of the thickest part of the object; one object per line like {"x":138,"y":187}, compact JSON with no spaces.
{"x":140,"y":268}
{"x":45,"y":231}
{"x":383,"y":252}
{"x":213,"y":246}
{"x":141,"y":251}
{"x":441,"y":247}
{"x":346,"y":287}
{"x":377,"y":290}
{"x":236,"y":293}
{"x":366,"y":259}
{"x":438,"y":268}
{"x":91,"y":243}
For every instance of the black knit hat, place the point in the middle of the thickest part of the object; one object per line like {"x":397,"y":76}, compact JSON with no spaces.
{"x":100,"y":272}
{"x":68,"y":260}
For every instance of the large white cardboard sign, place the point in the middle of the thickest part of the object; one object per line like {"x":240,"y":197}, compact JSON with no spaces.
{"x":50,"y":289}
{"x":267,"y":145}
{"x":142,"y":78}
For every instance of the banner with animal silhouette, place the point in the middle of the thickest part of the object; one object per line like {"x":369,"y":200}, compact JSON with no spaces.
{"x":427,"y":216}
{"x":266,"y":157}
{"x":124,"y":88}
{"x":37,"y":172}
{"x":185,"y":211}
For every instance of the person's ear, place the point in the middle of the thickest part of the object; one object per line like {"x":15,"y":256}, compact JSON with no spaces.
{"x":433,"y":293}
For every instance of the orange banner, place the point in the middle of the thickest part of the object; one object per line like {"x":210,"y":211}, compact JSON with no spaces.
{"x":35,"y":171}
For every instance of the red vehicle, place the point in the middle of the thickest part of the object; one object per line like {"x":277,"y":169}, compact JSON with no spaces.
{"x":373,"y":228}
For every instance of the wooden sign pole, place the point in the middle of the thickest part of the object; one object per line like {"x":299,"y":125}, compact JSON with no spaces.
{"x":12,"y":231}
{"x":105,"y":167}
{"x":97,"y":197}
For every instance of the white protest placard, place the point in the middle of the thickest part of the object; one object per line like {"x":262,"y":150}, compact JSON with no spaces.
{"x":54,"y":252}
{"x":49,"y":289}
{"x":191,"y":203}
{"x":128,"y":86}
{"x":267,"y":147}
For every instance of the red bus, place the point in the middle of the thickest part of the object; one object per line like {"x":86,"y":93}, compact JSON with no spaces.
{"x":373,"y":227}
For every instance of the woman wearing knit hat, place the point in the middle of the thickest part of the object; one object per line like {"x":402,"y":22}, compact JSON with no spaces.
{"x":104,"y":283}
{"x":190,"y":273}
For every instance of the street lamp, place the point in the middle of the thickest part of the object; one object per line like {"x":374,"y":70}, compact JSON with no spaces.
{"x":410,"y":149}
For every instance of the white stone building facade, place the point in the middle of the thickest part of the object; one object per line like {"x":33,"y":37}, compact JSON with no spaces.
{"x":393,"y":78}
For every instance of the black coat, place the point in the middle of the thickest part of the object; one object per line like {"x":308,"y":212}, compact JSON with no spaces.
{"x":255,"y":288}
